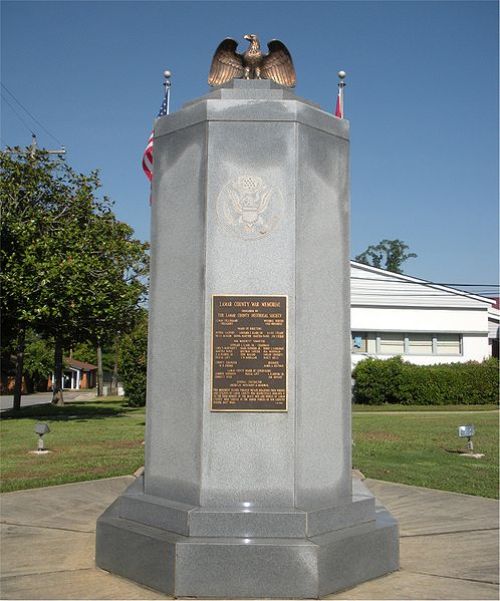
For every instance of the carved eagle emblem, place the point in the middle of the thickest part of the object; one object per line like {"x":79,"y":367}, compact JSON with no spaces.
{"x":228,"y":64}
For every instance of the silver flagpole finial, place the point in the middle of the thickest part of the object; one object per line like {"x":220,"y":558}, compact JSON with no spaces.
{"x":339,"y":111}
{"x":167,"y":74}
{"x":342,"y":76}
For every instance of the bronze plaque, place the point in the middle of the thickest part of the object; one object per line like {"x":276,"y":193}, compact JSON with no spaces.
{"x":249,"y":357}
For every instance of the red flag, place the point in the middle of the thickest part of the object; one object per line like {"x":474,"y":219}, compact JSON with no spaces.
{"x":339,"y":107}
{"x":147,"y":158}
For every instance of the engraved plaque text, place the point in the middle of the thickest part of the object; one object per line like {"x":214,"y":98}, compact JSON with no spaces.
{"x":249,"y":358}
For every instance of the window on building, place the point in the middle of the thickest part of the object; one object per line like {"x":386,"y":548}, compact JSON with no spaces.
{"x":448,"y":344}
{"x":417,"y":343}
{"x":420,"y":344}
{"x":391,"y":343}
{"x":359,"y":342}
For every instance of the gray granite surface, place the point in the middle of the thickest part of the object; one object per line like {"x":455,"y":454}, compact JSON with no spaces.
{"x":449,"y":545}
{"x":249,"y":504}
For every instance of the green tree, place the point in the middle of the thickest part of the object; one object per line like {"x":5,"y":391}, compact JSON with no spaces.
{"x":133,"y":361}
{"x":387,"y":254}
{"x":70,"y":269}
{"x":87,"y":352}
{"x":38,"y":361}
{"x":119,"y":286}
{"x":31,"y":187}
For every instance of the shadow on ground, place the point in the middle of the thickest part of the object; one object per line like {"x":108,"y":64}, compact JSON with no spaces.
{"x":70,"y":411}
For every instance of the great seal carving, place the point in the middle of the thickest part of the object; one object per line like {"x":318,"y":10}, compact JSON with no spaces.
{"x":249,"y":208}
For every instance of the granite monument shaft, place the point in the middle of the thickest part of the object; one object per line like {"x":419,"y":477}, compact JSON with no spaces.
{"x":247,"y":489}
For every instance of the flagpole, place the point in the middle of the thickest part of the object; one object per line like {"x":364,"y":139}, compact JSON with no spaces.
{"x":147,"y":157}
{"x":167,"y":83}
{"x":339,"y":112}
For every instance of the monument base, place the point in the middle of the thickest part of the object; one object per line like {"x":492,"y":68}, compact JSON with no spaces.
{"x":362,"y":544}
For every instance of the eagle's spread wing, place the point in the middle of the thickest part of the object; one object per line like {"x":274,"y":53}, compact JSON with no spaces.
{"x":226,"y":63}
{"x":278,"y":65}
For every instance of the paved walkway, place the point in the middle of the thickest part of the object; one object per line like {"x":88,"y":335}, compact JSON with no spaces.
{"x":449,"y":545}
{"x":41,"y":398}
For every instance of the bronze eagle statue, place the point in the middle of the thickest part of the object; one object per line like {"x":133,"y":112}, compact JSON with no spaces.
{"x":228,"y":64}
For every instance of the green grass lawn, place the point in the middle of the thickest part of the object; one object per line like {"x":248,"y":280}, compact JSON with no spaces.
{"x":88,"y":440}
{"x":395,"y":407}
{"x":423,"y":449}
{"x":103,"y":438}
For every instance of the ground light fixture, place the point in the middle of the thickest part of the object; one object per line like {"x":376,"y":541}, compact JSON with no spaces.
{"x":41,"y":429}
{"x":468,"y":432}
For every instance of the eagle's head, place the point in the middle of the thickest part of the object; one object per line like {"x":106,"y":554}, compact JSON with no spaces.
{"x":254,"y":47}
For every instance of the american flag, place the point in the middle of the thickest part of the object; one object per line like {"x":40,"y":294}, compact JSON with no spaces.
{"x":147,"y":157}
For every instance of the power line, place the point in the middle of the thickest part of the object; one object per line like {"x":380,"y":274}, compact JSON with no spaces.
{"x":424,"y":291}
{"x":28,"y":113}
{"x":18,"y":115}
{"x":382,"y":294}
{"x":390,"y":280}
{"x":401,"y":289}
{"x":415,"y":294}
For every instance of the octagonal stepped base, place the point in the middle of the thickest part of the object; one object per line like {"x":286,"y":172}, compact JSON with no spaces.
{"x":290,"y":563}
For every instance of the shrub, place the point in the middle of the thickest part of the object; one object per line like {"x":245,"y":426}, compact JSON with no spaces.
{"x":379,"y":381}
{"x":133,"y":363}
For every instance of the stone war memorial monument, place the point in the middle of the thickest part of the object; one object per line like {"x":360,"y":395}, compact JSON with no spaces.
{"x":247,"y":489}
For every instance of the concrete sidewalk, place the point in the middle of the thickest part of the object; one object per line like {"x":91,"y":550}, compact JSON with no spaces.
{"x":41,"y":398}
{"x":449,"y":545}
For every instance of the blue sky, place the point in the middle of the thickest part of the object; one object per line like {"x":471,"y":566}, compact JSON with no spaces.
{"x":421,"y":96}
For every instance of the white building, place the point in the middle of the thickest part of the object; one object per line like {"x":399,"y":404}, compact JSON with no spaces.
{"x":494,"y":329}
{"x":394,"y":314}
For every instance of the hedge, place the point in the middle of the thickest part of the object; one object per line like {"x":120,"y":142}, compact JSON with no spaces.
{"x":379,"y":381}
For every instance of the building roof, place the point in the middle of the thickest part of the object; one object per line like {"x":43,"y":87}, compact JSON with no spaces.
{"x":79,"y":364}
{"x":374,"y":286}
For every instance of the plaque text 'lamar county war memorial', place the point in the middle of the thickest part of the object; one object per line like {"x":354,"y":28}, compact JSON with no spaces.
{"x":249,"y":353}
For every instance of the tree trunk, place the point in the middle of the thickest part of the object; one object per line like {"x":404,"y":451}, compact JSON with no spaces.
{"x":57,"y":384}
{"x":100,"y":375}
{"x":114,"y":377}
{"x":29,"y":383}
{"x":18,"y":385}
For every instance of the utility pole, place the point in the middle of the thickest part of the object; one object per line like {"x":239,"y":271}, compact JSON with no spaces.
{"x":34,"y":146}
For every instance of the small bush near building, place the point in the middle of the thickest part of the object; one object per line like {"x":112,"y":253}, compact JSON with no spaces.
{"x":133,"y":364}
{"x":379,"y":381}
